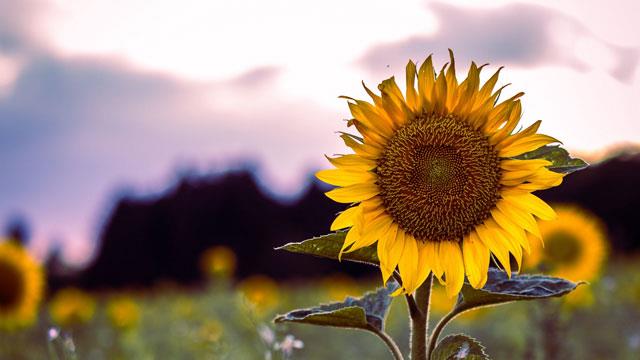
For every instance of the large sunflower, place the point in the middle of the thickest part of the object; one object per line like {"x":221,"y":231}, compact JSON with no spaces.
{"x":21,"y":287}
{"x":434,"y":179}
{"x":574,"y":247}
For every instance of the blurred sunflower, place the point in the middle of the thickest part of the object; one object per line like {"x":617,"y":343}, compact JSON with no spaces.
{"x":21,"y":287}
{"x":218,"y":261}
{"x":72,"y":307}
{"x":261,"y":292}
{"x":339,"y":286}
{"x":435,"y":177}
{"x":574,"y":247}
{"x":123,"y":312}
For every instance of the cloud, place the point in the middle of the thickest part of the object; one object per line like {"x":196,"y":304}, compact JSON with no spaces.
{"x":519,"y":34}
{"x":75,"y":129}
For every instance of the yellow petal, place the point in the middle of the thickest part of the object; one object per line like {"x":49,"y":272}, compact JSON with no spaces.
{"x":512,"y":245}
{"x":372,"y":232}
{"x":377,"y":100}
{"x":510,"y":227}
{"x":424,"y":261}
{"x":518,"y":165}
{"x":426,"y":81}
{"x":346,"y":218}
{"x":390,"y":249}
{"x":340,"y":177}
{"x":352,"y":162}
{"x":451,"y":256}
{"x":526,"y":144}
{"x":408,"y":264}
{"x":412,"y":95}
{"x":495,"y":245}
{"x":439,"y":94}
{"x":393,"y":102}
{"x":431,"y":252}
{"x":487,"y":88}
{"x":532,"y":204}
{"x":367,"y":113}
{"x":352,"y":236}
{"x":363,"y":150}
{"x":353,"y":193}
{"x":476,"y":260}
{"x":521,"y":217}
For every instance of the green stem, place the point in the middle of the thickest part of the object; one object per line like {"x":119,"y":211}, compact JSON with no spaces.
{"x":420,"y":321}
{"x":393,"y":347}
{"x":438,"y":329}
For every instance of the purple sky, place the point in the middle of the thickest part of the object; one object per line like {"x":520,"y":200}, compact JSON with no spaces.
{"x":98,"y":97}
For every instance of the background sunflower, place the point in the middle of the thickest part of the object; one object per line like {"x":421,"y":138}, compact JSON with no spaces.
{"x":72,"y":307}
{"x":574,"y":246}
{"x":21,"y":287}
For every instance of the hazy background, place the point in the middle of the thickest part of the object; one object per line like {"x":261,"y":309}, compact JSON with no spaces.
{"x":101,"y":100}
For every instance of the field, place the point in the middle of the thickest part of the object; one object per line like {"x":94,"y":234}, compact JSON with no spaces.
{"x":217,"y":322}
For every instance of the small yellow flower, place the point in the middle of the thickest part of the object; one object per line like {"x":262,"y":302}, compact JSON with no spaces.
{"x":123,"y":313}
{"x":72,"y":307}
{"x":218,"y":261}
{"x":21,"y":287}
{"x":261,"y":292}
{"x":435,"y":180}
{"x":210,"y":331}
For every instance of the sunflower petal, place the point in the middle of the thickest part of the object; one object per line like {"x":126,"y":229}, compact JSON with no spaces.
{"x":341,"y":177}
{"x":408,"y":264}
{"x":346,"y":218}
{"x":476,"y":260}
{"x":451,"y":256}
{"x":532,"y":204}
{"x":352,"y":162}
{"x":412,"y":95}
{"x":353,"y":193}
{"x":526,"y":144}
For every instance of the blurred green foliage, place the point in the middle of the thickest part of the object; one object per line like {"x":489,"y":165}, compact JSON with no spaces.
{"x":215,"y":322}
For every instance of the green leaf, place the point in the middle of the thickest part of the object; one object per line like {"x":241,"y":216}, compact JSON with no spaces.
{"x":562,"y":161}
{"x":367,"y":312}
{"x":501,"y":289}
{"x":459,"y":346}
{"x":328,"y":246}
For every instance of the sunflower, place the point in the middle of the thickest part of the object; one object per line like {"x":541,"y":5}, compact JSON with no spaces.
{"x":21,"y":287}
{"x":123,"y":312}
{"x":72,"y":307}
{"x":261,"y":292}
{"x":218,"y":261}
{"x":435,"y":177}
{"x":574,"y":246}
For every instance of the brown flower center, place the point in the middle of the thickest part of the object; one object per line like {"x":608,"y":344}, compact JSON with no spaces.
{"x":439,"y":178}
{"x":562,"y":248}
{"x":11,"y":286}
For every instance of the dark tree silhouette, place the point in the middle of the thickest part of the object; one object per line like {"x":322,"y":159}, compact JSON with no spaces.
{"x":144,"y":241}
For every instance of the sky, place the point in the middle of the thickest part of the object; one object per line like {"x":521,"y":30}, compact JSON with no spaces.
{"x":100,"y":98}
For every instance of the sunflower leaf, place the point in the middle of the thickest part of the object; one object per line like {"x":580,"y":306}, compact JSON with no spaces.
{"x":328,"y":246}
{"x":367,"y":312}
{"x":459,"y":347}
{"x":500,"y":289}
{"x":562,"y":161}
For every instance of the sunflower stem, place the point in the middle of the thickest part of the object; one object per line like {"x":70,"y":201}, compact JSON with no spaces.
{"x":433,"y":340}
{"x":420,"y":320}
{"x":388,"y":340}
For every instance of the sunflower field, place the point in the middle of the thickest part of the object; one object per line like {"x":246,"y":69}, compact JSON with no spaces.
{"x":219,"y":322}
